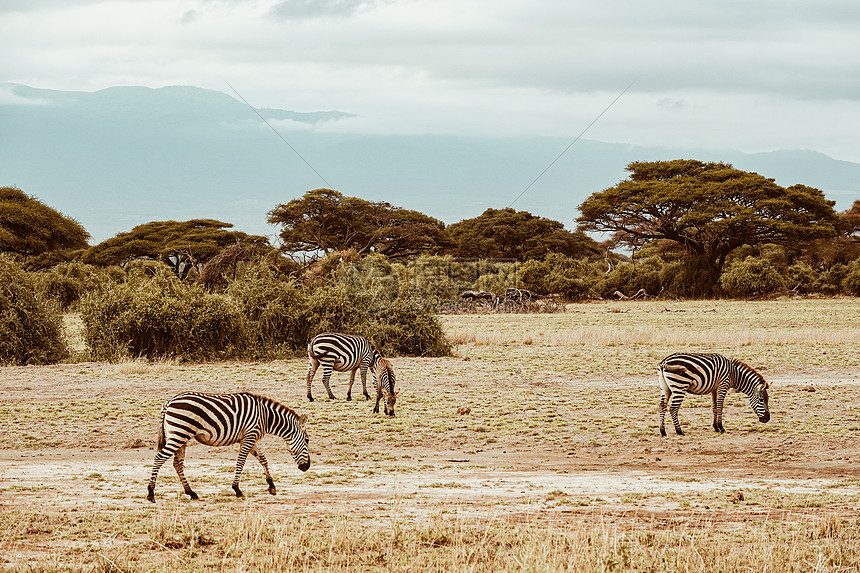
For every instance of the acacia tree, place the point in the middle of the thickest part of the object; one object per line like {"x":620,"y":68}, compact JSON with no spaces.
{"x":28,"y":227}
{"x":708,"y":210}
{"x":179,"y":244}
{"x":506,"y":233}
{"x":326,"y":221}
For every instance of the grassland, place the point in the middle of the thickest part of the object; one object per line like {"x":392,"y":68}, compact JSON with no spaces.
{"x":534,"y":448}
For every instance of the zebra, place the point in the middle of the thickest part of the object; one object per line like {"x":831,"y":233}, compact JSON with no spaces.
{"x":383,"y":378}
{"x":349,"y":352}
{"x":222,"y":420}
{"x":699,"y":374}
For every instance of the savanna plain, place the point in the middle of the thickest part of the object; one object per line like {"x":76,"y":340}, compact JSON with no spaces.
{"x":534,"y":448}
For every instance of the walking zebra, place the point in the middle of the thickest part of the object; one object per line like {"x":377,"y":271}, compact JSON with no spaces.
{"x":222,"y":420}
{"x":680,"y":374}
{"x":348,"y":352}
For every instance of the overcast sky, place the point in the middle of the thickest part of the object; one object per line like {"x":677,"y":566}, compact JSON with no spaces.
{"x":748,"y":75}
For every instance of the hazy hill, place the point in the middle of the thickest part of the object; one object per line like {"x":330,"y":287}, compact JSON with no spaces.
{"x":127,"y":155}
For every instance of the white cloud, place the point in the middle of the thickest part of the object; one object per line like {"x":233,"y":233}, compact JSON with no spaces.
{"x":748,"y":75}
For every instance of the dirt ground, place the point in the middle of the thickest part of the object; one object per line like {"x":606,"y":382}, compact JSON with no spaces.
{"x":804,"y":464}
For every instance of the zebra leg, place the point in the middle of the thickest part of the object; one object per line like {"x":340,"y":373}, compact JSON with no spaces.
{"x":160,"y":457}
{"x":719,"y":395}
{"x":179,"y":466}
{"x":378,"y":397}
{"x":364,"y":380}
{"x":259,"y":455}
{"x":662,"y":410}
{"x":674,"y":406}
{"x":247,"y":447}
{"x":665,"y":394}
{"x":327,"y":368}
{"x":351,"y":382}
{"x":312,"y":369}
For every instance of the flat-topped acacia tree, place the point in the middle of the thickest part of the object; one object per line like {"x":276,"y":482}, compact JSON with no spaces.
{"x":179,"y":244}
{"x":708,"y":210}
{"x":324,"y":221}
{"x":28,"y":227}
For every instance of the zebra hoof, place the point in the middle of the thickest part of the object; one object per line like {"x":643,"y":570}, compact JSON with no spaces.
{"x":272,"y":490}
{"x":349,"y":398}
{"x":192,"y":495}
{"x":367,"y":396}
{"x":679,"y":432}
{"x":238,"y":491}
{"x":310,"y":398}
{"x":663,"y":432}
{"x":150,"y":497}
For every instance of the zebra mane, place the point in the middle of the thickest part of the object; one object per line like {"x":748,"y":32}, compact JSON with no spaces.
{"x":274,"y":404}
{"x":743,"y":366}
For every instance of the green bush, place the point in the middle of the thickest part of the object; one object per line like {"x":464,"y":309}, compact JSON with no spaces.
{"x":629,"y":279}
{"x":370,"y":298}
{"x":801,"y":277}
{"x":751,"y":277}
{"x":158,"y":316}
{"x":851,"y":282}
{"x":274,"y":311}
{"x":67,"y":282}
{"x":831,"y":280}
{"x":30,"y":333}
{"x":693,"y":277}
{"x":558,"y":274}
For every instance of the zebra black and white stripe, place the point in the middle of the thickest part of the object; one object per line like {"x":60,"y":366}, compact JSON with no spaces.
{"x":351,"y":353}
{"x":680,"y":374}
{"x":222,"y":420}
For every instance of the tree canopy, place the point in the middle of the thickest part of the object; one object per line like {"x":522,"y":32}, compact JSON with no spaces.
{"x":707,"y":209}
{"x":28,"y":227}
{"x":324,"y":220}
{"x":179,"y":244}
{"x":506,"y":233}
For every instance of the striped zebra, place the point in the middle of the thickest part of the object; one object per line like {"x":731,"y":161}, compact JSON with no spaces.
{"x":222,"y":420}
{"x":349,"y":352}
{"x":680,"y":374}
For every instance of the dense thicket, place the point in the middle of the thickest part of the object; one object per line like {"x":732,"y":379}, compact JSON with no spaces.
{"x":30,"y":332}
{"x":159,"y":316}
{"x":262,"y":313}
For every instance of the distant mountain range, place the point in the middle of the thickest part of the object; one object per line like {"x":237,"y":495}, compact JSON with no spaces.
{"x":122,"y":156}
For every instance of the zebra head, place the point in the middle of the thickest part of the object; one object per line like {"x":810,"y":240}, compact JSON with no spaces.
{"x":758,"y":401}
{"x":384,"y":374}
{"x":298,"y":444}
{"x":747,"y":380}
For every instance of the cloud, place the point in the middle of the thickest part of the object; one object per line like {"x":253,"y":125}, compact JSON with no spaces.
{"x":478,"y":67}
{"x":308,"y":9}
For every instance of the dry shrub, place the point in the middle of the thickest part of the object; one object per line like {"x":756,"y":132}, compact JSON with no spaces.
{"x":158,"y":317}
{"x":30,"y":332}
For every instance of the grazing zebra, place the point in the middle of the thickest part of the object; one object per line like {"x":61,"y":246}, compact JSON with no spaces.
{"x":680,"y":374}
{"x":222,"y":420}
{"x":383,"y":378}
{"x":341,"y":352}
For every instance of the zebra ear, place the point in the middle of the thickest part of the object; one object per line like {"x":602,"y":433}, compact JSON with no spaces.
{"x":763,"y":386}
{"x":303,"y":419}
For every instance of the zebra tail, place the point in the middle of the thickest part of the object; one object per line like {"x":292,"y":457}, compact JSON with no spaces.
{"x":161,"y":439}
